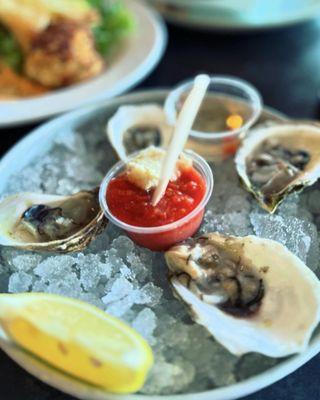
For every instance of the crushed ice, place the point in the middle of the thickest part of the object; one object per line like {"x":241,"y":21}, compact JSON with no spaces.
{"x":130,"y":282}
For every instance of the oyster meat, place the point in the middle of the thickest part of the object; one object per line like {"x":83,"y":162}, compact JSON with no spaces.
{"x":42,"y":222}
{"x":252,"y":294}
{"x":134,"y":128}
{"x":277,"y":160}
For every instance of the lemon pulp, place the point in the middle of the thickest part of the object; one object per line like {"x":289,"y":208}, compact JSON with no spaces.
{"x":77,"y":338}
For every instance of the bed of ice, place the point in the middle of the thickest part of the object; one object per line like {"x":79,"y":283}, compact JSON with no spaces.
{"x":131,"y":283}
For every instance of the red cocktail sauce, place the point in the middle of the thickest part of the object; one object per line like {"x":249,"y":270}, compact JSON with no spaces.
{"x":132,"y":205}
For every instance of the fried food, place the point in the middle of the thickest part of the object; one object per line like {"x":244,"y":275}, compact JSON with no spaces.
{"x":64,"y":53}
{"x":14,"y":86}
{"x":26,"y":18}
{"x":56,"y":43}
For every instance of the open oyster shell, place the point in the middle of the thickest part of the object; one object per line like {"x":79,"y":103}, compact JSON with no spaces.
{"x":274,"y":161}
{"x":41,"y":222}
{"x":252,"y":294}
{"x":134,"y":128}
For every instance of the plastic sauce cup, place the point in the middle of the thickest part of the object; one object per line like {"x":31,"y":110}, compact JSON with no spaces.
{"x":162,"y":237}
{"x":231,"y":106}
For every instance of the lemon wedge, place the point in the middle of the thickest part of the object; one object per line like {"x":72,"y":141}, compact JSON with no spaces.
{"x":78,"y":339}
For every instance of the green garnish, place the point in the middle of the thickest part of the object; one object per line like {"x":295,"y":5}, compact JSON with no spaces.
{"x":10,"y":52}
{"x":116,"y":23}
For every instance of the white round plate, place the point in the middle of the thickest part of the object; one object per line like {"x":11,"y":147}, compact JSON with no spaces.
{"x":138,"y":57}
{"x":37,"y":143}
{"x":237,"y":15}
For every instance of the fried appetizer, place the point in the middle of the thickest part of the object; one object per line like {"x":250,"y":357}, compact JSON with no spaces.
{"x":26,"y":18}
{"x":14,"y":86}
{"x":64,"y":53}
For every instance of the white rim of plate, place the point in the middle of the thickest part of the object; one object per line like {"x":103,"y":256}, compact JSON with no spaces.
{"x":73,"y":386}
{"x":24,"y":111}
{"x":197,"y":21}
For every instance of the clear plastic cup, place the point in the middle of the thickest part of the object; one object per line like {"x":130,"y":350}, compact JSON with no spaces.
{"x":162,"y":237}
{"x":231,"y":106}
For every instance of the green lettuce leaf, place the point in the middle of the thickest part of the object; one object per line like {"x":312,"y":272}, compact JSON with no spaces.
{"x":10,"y":52}
{"x":116,"y":23}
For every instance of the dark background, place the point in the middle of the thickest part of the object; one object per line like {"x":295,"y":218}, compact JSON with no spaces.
{"x":285,"y":67}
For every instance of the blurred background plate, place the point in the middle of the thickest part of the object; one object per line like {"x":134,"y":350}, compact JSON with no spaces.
{"x":237,"y":15}
{"x":134,"y":61}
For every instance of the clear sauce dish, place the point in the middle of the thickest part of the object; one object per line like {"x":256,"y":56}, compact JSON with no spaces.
{"x":230,"y":108}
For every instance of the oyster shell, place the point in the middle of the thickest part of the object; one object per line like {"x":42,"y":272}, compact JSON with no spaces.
{"x":134,"y":128}
{"x":252,"y":294}
{"x":277,"y":160}
{"x":42,"y":222}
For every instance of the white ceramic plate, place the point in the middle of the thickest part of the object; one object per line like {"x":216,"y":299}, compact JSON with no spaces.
{"x":38,"y":143}
{"x":237,"y":15}
{"x":139,"y":55}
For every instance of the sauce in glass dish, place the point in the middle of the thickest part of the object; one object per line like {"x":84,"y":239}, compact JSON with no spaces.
{"x":231,"y":106}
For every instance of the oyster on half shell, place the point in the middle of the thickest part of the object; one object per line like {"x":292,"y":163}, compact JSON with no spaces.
{"x":252,"y":294}
{"x":134,"y":128}
{"x":41,"y":222}
{"x":277,"y":160}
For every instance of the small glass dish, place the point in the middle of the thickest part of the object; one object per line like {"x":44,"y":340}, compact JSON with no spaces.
{"x":231,"y":106}
{"x":161,"y":237}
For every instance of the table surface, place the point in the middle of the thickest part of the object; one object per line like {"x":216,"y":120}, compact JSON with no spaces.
{"x":284,"y":66}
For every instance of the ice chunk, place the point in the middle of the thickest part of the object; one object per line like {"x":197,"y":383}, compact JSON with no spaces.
{"x":124,"y":295}
{"x":91,"y":270}
{"x":145,"y":323}
{"x":120,"y":307}
{"x":27,"y":180}
{"x":293,"y":206}
{"x":19,"y":282}
{"x":4,"y":281}
{"x":26,"y":262}
{"x":148,"y":294}
{"x":3,"y":268}
{"x":237,"y":204}
{"x":8,"y":254}
{"x":88,"y":173}
{"x":121,"y":288}
{"x":141,"y":271}
{"x":68,"y":286}
{"x":228,"y":195}
{"x":57,"y":276}
{"x":221,"y":366}
{"x":71,"y":141}
{"x":92,"y":299}
{"x":253,"y":364}
{"x":298,"y":235}
{"x":123,"y":245}
{"x":173,"y":334}
{"x":231,"y":224}
{"x":313,"y":201}
{"x":55,"y":267}
{"x":39,"y":286}
{"x":169,"y":377}
{"x":141,"y":264}
{"x":68,"y":186}
{"x":209,"y":358}
{"x":100,"y":243}
{"x":113,"y":258}
{"x":127,"y":273}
